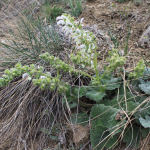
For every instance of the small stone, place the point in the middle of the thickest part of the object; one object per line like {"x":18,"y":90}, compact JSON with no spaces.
{"x":80,"y":134}
{"x":3,"y":41}
{"x":144,"y":40}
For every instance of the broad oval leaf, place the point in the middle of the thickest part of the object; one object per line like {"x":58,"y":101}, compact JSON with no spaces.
{"x":106,"y":115}
{"x":80,"y":118}
{"x":79,"y":91}
{"x":97,"y":134}
{"x":95,"y":95}
{"x":132,"y":136}
{"x":145,"y":122}
{"x":145,"y":87}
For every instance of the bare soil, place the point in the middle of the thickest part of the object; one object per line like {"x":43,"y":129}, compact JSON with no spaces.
{"x":119,"y":17}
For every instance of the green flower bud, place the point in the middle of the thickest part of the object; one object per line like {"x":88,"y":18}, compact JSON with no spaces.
{"x":18,"y":65}
{"x":43,"y":86}
{"x":48,"y":80}
{"x":7,"y":72}
{"x":32,"y":66}
{"x":52,"y":87}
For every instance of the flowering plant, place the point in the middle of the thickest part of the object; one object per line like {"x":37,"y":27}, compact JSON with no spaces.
{"x":84,"y":55}
{"x":85,"y":40}
{"x":86,"y":46}
{"x":104,"y":114}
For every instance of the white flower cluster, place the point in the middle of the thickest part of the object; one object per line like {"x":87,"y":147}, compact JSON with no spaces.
{"x":85,"y":40}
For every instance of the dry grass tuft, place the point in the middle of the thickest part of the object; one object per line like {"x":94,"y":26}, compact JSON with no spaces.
{"x":24,"y":111}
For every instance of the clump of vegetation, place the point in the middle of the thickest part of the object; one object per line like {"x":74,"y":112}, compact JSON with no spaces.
{"x":51,"y":9}
{"x":117,"y":113}
{"x":29,"y":42}
{"x":50,"y":13}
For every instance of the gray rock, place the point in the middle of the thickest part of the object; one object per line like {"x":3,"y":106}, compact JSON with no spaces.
{"x":144,"y":40}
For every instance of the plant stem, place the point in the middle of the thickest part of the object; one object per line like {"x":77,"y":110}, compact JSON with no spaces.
{"x":57,"y":72}
{"x":95,"y":67}
{"x":103,"y":74}
{"x":90,"y":76}
{"x":96,"y":70}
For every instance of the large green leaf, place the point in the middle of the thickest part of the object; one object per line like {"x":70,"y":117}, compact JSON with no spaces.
{"x":145,"y":132}
{"x":95,"y":95}
{"x":114,"y":102}
{"x":146,"y":73}
{"x":70,"y":98}
{"x":79,"y":118}
{"x":71,"y":102}
{"x":118,"y":101}
{"x":79,"y":91}
{"x":140,"y":99}
{"x":69,"y":91}
{"x":106,"y":115}
{"x":121,"y":90}
{"x":145,"y":122}
{"x":135,"y":85}
{"x":141,"y":113}
{"x":145,"y":87}
{"x":103,"y":119}
{"x":130,"y":106}
{"x":112,"y":82}
{"x":97,"y":134}
{"x":106,"y":102}
{"x":132,"y":137}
